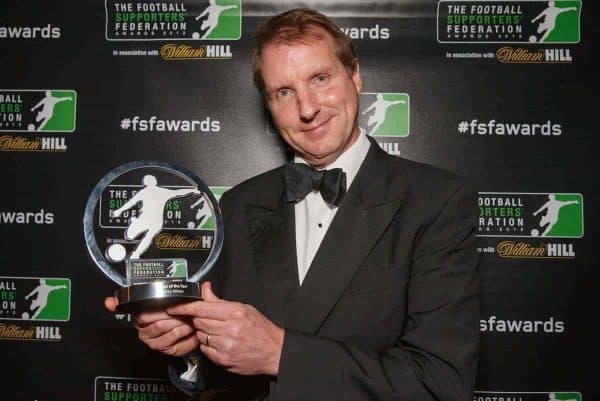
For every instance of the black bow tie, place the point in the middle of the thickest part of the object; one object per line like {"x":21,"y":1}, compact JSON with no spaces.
{"x":300,"y":179}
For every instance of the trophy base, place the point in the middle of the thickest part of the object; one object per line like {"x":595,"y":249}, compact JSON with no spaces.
{"x":156,"y":294}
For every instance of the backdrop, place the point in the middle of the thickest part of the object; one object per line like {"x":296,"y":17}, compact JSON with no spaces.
{"x":503,"y":92}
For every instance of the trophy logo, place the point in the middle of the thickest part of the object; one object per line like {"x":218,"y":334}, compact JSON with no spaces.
{"x":161,"y":225}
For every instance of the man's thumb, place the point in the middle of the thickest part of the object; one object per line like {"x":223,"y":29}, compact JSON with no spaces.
{"x":207,"y":292}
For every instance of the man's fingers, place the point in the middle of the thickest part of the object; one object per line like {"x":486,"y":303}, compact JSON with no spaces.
{"x":173,"y":337}
{"x":216,"y":356}
{"x":209,"y":339}
{"x":219,"y":327}
{"x":221,"y":310}
{"x":224,"y":344}
{"x":181,"y":348}
{"x":162,"y":327}
{"x":145,"y":318}
{"x":186,"y":309}
{"x":207,"y":292}
{"x":211,"y":353}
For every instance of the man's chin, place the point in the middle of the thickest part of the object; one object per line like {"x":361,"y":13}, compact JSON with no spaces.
{"x":320,"y":160}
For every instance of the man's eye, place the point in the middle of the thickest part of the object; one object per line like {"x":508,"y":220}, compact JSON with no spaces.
{"x":320,"y":78}
{"x":284,"y":93}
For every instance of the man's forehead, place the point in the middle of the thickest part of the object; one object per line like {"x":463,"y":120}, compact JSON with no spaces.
{"x":306,"y":34}
{"x":298,"y":48}
{"x":310,"y":36}
{"x":284,"y":62}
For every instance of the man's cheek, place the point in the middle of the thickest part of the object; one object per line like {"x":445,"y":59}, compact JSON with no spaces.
{"x":283,"y":116}
{"x":331,"y":96}
{"x":277,"y":120}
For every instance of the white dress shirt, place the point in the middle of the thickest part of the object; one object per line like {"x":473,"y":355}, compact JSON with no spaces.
{"x":313,"y":215}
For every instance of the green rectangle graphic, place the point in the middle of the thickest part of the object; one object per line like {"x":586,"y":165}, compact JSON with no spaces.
{"x":31,"y":298}
{"x":37,"y":110}
{"x":385,"y":114}
{"x":535,"y":215}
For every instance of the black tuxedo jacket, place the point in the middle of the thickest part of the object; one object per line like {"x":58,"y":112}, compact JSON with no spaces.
{"x":389,"y":309}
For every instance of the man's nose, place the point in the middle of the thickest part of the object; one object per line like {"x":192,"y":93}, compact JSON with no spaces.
{"x":308,"y":105}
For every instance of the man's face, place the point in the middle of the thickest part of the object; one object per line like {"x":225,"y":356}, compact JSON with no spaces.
{"x":312,"y":98}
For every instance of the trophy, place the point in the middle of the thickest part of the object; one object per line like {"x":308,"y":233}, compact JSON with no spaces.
{"x":159,"y":223}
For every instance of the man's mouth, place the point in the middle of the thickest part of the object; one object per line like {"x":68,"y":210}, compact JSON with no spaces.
{"x":318,"y":127}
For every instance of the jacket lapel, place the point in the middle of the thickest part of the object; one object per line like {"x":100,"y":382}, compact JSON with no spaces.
{"x":273,"y":239}
{"x":364,"y":214}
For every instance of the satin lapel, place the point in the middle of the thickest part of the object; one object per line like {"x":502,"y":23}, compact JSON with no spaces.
{"x":363,"y":216}
{"x":272,"y":235}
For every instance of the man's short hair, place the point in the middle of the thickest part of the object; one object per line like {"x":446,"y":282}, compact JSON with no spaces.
{"x":294,"y":26}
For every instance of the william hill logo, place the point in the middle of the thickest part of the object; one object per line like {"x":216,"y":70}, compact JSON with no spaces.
{"x":185,"y":52}
{"x":542,"y":217}
{"x":36,"y":111}
{"x":177,"y":241}
{"x":520,"y":55}
{"x":167,"y":240}
{"x":16,"y":143}
{"x":30,"y":300}
{"x":521,"y":249}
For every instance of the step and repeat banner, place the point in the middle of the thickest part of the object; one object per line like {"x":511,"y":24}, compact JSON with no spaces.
{"x":502,"y":92}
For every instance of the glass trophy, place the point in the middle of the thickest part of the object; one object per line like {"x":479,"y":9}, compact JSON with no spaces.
{"x":156,"y":230}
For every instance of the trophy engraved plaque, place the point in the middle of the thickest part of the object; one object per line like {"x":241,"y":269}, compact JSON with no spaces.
{"x":161,"y":225}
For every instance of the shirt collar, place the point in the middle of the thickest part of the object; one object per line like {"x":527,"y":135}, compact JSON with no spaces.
{"x":351,"y":160}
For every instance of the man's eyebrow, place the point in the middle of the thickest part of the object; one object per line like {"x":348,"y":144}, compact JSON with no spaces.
{"x":323,"y":68}
{"x":274,"y":88}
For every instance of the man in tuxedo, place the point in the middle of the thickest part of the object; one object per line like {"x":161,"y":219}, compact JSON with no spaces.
{"x":348,"y":275}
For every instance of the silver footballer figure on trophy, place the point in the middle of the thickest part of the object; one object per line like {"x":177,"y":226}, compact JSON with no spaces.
{"x":159,"y":223}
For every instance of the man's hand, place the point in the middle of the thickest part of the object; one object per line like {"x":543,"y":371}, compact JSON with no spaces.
{"x":242,"y":340}
{"x":161,"y":332}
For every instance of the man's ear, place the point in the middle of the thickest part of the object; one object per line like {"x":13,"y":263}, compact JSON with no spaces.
{"x":355,"y":75}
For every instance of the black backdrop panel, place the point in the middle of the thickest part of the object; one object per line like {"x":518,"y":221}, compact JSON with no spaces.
{"x":505,"y":101}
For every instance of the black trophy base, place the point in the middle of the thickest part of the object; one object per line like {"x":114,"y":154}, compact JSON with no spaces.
{"x":156,"y":295}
